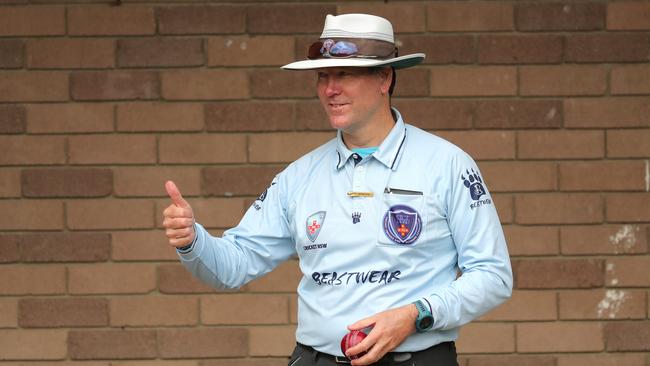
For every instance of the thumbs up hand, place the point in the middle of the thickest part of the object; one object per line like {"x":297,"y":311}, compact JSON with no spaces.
{"x":179,"y":218}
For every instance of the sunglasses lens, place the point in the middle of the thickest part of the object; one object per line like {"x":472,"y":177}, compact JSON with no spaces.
{"x":344,"y":49}
{"x":315,"y":50}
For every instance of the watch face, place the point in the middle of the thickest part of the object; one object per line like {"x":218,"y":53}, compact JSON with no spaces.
{"x":426,"y":322}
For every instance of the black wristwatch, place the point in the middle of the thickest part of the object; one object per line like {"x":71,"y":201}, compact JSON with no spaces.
{"x":424,"y":321}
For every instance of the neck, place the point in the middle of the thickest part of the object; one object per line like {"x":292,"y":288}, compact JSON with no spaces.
{"x":371,"y":134}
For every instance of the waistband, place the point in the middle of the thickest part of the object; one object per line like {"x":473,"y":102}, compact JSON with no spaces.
{"x":386,"y":359}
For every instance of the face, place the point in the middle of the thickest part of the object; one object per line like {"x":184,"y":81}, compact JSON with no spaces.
{"x":352,"y":96}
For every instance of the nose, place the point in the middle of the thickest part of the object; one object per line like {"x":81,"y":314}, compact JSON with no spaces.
{"x":332,"y":86}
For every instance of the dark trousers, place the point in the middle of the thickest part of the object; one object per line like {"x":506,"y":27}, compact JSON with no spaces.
{"x":443,"y":354}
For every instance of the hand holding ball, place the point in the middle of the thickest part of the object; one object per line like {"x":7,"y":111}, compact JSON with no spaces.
{"x":352,"y":339}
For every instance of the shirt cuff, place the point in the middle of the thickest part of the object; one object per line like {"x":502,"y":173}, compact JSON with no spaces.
{"x":188,"y":248}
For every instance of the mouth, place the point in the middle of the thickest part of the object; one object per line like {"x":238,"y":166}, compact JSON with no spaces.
{"x":337,"y":106}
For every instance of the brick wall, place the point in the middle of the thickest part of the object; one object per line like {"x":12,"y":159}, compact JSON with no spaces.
{"x":100,"y":104}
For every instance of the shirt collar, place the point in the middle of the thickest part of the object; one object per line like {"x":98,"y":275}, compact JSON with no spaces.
{"x":389,"y":150}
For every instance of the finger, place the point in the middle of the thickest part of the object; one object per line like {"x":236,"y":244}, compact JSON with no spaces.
{"x":175,"y":194}
{"x":181,"y":242}
{"x":177,"y":222}
{"x":178,"y":233}
{"x":365,"y":345}
{"x":363,"y":323}
{"x":374,"y":354}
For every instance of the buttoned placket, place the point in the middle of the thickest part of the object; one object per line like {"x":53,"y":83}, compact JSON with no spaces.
{"x":358,"y":185}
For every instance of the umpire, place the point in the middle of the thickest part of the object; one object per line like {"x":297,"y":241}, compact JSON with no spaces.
{"x":396,"y":232}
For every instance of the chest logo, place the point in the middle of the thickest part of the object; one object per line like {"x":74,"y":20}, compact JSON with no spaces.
{"x":474,"y":182}
{"x":314,"y":223}
{"x":402,"y":224}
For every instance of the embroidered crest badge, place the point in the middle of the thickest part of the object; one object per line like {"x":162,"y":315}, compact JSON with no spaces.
{"x":402,"y":224}
{"x":474,"y":182}
{"x":314,"y":223}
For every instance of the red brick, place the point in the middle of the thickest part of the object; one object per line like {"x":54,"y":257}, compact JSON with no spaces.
{"x":111,"y":279}
{"x":205,"y":84}
{"x":175,"y":279}
{"x":519,"y":360}
{"x":115,"y":85}
{"x":32,"y":20}
{"x":486,"y":338}
{"x":518,"y":114}
{"x":280,"y":83}
{"x":12,"y":54}
{"x":560,"y":16}
{"x":405,"y":17}
{"x":272,"y":341}
{"x":12,"y":119}
{"x":631,"y":207}
{"x":202,"y":343}
{"x":202,"y":149}
{"x":124,"y":213}
{"x":8,"y":313}
{"x":519,"y":176}
{"x":201,"y":19}
{"x":412,"y":83}
{"x":112,"y":344}
{"x":112,"y":149}
{"x":452,"y":49}
{"x":65,"y":247}
{"x":628,"y":272}
{"x":31,"y":215}
{"x":154,"y":311}
{"x":603,"y":176}
{"x":559,"y":273}
{"x":158,"y":116}
{"x":560,"y":144}
{"x":607,"y":47}
{"x":141,"y":246}
{"x":150,"y":181}
{"x":249,"y":116}
{"x":559,"y":208}
{"x":602,"y":304}
{"x":67,"y":182}
{"x":436,"y":114}
{"x":628,"y":336}
{"x":531,"y":240}
{"x":64,"y":53}
{"x":212,"y":212}
{"x":236,"y":181}
{"x":519,"y":49}
{"x":597,"y":359}
{"x":250,"y":51}
{"x":628,"y":143}
{"x":473,"y":81}
{"x":628,"y":15}
{"x":28,"y":280}
{"x":62,"y":312}
{"x":606,"y":112}
{"x":284,"y":147}
{"x":559,"y":337}
{"x":157,"y":52}
{"x":226,"y":309}
{"x":33,"y":86}
{"x":562,"y":80}
{"x":447,"y":16}
{"x":33,"y":344}
{"x":293,"y":308}
{"x":111,"y":20}
{"x":248,"y":362}
{"x":70,"y":118}
{"x":483,"y":145}
{"x":609,"y":239}
{"x":505,"y":208}
{"x":284,"y":278}
{"x":29,"y":150}
{"x":9,"y":182}
{"x":526,"y":305}
{"x":303,"y":18}
{"x":630,"y":79}
{"x":9,"y":248}
{"x":310,"y":116}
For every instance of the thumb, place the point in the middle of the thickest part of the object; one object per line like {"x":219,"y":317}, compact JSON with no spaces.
{"x":175,"y":194}
{"x":362,"y":324}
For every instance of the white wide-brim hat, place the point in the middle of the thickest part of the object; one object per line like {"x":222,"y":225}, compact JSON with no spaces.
{"x":364,"y":41}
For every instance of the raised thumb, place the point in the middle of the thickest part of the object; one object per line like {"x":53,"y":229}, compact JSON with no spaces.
{"x":175,"y":194}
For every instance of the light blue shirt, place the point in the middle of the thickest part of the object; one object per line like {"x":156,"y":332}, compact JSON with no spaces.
{"x":396,"y":227}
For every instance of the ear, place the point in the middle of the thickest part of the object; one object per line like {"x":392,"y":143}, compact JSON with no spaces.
{"x":386,"y":77}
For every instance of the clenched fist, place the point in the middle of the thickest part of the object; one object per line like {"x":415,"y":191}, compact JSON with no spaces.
{"x":179,"y":218}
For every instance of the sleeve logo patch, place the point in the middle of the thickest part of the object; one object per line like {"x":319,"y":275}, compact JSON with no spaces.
{"x":474,"y":183}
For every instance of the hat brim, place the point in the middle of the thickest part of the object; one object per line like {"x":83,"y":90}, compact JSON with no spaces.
{"x":400,"y":62}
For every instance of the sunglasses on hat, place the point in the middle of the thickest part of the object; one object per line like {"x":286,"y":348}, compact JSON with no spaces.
{"x":347,"y":48}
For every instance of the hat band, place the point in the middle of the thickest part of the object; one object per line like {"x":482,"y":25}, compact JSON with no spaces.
{"x":351,"y":47}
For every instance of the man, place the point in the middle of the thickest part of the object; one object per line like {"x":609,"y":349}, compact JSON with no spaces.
{"x":396,"y":233}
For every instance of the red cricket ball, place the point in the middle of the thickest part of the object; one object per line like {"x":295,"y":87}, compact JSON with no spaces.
{"x":352,"y":339}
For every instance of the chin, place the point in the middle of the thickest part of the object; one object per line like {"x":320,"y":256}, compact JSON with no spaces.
{"x":338,"y":122}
